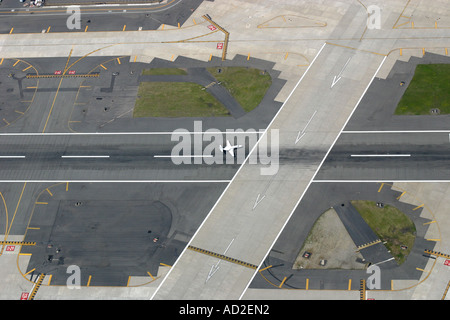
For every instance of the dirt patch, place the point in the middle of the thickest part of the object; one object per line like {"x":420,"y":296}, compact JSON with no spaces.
{"x":329,"y":242}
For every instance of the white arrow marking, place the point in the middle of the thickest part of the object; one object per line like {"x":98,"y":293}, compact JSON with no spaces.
{"x":302,"y":133}
{"x":338,"y":77}
{"x":215,"y":267}
{"x":258,"y":200}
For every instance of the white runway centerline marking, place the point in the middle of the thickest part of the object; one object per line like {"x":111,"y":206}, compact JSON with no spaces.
{"x":76,"y":157}
{"x":12,"y":157}
{"x":380,"y":155}
{"x":182,"y":156}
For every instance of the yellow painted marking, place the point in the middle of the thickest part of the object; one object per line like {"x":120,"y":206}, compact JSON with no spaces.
{"x":392,"y":284}
{"x":162,"y":27}
{"x":30,"y":271}
{"x":401,"y":195}
{"x":349,"y":284}
{"x":48,"y":29}
{"x":67,"y":186}
{"x":118,"y":60}
{"x":307,"y":283}
{"x":19,"y":112}
{"x":135,"y":57}
{"x":34,"y":228}
{"x":210,"y":57}
{"x":24,"y":254}
{"x":103,"y":67}
{"x":1,"y":62}
{"x":429,"y":222}
{"x":381,"y":187}
{"x":435,"y":24}
{"x":49,"y":279}
{"x":41,"y":202}
{"x":423,"y":50}
{"x":248,"y":57}
{"x":282,"y":282}
{"x":194,"y":21}
{"x":401,"y":52}
{"x":402,"y":23}
{"x":16,"y":63}
{"x":27,"y":68}
{"x":433,"y":239}
{"x":49,"y":192}
{"x":165,"y":265}
{"x":128,"y":281}
{"x":10,"y":31}
{"x":89,"y":281}
{"x":421,"y":270}
{"x":124,"y":27}
{"x":171,"y":59}
{"x":15,"y":211}
{"x":419,"y":206}
{"x":412,"y":24}
{"x":178,"y":25}
{"x":6,"y":121}
{"x":85,"y":29}
{"x":266,"y":268}
{"x":53,"y":104}
{"x":285,"y":57}
{"x":446,"y":52}
{"x":148,"y":272}
{"x":32,"y":87}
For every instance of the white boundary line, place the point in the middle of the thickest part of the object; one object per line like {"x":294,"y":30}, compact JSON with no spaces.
{"x":235,"y":175}
{"x":380,"y":181}
{"x":126,"y":133}
{"x":115,"y":181}
{"x":399,"y":131}
{"x":312,"y":179}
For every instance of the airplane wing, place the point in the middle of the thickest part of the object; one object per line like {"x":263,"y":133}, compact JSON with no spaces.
{"x":231,"y":152}
{"x":228,"y":144}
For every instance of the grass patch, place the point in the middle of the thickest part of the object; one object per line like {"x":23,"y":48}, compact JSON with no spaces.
{"x":163,"y":71}
{"x":247,"y":85}
{"x":176,"y":99}
{"x":429,"y":88}
{"x":390,"y":225}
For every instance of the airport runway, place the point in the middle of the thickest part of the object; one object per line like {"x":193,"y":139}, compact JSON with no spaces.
{"x":389,"y":156}
{"x":94,"y":157}
{"x":318,"y":108}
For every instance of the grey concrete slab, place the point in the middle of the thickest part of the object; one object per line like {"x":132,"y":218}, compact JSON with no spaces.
{"x":102,"y":230}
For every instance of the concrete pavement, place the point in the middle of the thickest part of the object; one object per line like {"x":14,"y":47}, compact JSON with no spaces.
{"x":235,"y":225}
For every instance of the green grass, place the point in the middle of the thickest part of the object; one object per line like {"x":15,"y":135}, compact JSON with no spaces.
{"x":175,"y":99}
{"x":390,"y":225}
{"x":163,"y":72}
{"x":247,"y":85}
{"x":429,"y":88}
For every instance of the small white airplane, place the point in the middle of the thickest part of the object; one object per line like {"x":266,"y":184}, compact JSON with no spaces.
{"x":229,"y":148}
